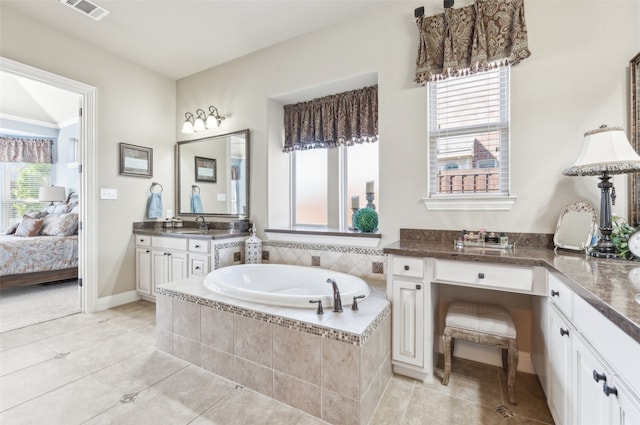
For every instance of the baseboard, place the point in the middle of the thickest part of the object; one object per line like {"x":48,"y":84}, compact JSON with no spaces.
{"x":489,"y":355}
{"x":111,"y":301}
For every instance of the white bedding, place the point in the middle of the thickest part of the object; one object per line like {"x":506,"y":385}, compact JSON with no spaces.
{"x":36,"y":254}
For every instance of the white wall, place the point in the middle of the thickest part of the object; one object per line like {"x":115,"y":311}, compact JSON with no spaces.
{"x":574,"y":81}
{"x":134,"y":105}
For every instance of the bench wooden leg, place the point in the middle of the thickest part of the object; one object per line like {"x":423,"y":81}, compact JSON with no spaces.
{"x":448,"y":352}
{"x":511,"y":374}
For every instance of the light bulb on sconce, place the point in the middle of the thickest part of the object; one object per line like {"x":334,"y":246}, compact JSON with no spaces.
{"x":202,"y":121}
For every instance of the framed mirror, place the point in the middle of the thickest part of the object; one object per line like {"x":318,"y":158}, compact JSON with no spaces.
{"x":576,"y":226}
{"x":634,"y":133}
{"x":212,"y":175}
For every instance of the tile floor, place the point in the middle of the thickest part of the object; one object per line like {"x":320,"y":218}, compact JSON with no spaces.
{"x":103,"y":369}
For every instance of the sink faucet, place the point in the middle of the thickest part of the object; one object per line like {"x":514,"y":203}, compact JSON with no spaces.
{"x":203,"y":225}
{"x":337,"y":302}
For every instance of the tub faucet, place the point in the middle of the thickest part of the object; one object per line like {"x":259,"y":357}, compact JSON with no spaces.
{"x":337,"y":302}
{"x":203,"y":225}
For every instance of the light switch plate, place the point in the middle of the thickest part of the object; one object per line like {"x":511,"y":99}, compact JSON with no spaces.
{"x":108,"y":193}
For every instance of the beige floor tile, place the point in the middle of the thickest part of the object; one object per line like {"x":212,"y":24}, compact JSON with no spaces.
{"x":246,"y":407}
{"x":178,"y":399}
{"x":24,"y":356}
{"x":140,"y":371}
{"x":82,"y":337}
{"x":394,"y":402}
{"x":71,"y":404}
{"x":532,"y":402}
{"x":26,"y":384}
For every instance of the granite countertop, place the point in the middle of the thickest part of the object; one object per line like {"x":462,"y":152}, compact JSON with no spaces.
{"x":216,"y":230}
{"x":603,"y":283}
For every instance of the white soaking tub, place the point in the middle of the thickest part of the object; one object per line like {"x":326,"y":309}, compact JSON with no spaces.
{"x":284,"y":285}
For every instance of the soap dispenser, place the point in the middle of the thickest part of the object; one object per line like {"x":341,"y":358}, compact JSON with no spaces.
{"x":253,"y":248}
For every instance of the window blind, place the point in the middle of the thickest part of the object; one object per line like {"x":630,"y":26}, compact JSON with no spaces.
{"x":469,"y":134}
{"x":19,"y":190}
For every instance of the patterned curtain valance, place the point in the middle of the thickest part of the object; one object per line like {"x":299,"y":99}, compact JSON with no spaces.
{"x":330,"y":121}
{"x":478,"y":37}
{"x":15,"y":149}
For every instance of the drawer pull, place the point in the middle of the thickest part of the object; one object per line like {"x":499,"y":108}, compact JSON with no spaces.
{"x":609,"y":390}
{"x":555,"y":293}
{"x":480,"y":275}
{"x":564,"y":332}
{"x":197,"y":246}
{"x":198,"y":268}
{"x":147,"y":251}
{"x":406,"y":267}
{"x":599,"y":376}
{"x":418,"y":287}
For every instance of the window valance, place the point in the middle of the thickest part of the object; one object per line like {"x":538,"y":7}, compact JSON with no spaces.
{"x":339,"y":119}
{"x":17,"y":149}
{"x":481,"y":36}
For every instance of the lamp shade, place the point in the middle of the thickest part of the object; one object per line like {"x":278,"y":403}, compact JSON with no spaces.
{"x":52,"y":194}
{"x":605,"y":150}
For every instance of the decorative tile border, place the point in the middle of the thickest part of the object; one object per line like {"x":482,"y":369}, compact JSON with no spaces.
{"x":285,"y":322}
{"x":226,"y":245}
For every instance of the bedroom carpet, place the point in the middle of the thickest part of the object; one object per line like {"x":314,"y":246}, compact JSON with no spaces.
{"x":28,"y":305}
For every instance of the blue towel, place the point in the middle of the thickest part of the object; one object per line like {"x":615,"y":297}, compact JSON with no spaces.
{"x":154,"y":206}
{"x":196,"y":203}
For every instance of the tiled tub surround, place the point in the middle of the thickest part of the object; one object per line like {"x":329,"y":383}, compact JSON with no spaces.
{"x":333,"y":366}
{"x":366,"y":263}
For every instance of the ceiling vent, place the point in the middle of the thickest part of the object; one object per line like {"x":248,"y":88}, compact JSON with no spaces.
{"x":87,"y":7}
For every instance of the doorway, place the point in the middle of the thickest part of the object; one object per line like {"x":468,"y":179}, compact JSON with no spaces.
{"x":85,"y":161}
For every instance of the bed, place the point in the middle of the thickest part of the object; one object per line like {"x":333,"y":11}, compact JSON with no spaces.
{"x":47,"y":251}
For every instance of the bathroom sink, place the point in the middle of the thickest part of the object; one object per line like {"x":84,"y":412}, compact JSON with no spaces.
{"x":188,"y":230}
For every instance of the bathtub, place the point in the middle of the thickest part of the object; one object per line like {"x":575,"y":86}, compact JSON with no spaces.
{"x":284,"y":285}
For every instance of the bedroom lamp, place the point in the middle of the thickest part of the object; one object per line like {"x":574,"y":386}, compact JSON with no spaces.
{"x":605,"y":151}
{"x":52,"y":194}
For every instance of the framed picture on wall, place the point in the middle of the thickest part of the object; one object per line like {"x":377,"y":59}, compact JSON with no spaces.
{"x":205,"y":169}
{"x":136,"y":161}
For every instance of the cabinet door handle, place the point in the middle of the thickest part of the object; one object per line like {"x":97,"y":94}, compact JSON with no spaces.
{"x":480,"y":275}
{"x":147,"y":251}
{"x":555,"y":293}
{"x":198,"y":268}
{"x":599,"y":376}
{"x":406,"y":267}
{"x":609,"y":390}
{"x":418,"y":287}
{"x":169,"y":254}
{"x":564,"y":332}
{"x":197,"y":246}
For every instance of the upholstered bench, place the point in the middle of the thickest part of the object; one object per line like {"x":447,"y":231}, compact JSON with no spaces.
{"x":482,"y":324}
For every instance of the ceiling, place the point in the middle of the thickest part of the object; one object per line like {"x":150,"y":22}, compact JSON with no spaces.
{"x":178,"y":38}
{"x":175,"y":38}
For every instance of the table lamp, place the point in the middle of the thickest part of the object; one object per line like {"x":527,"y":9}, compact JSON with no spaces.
{"x":52,"y":194}
{"x":605,"y":151}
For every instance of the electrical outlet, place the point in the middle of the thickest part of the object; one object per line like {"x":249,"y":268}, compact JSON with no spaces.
{"x":108,"y":193}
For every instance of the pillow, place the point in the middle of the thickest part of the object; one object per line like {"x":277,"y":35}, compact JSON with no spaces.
{"x":74,"y":207}
{"x":36,"y":214}
{"x":60,"y":225}
{"x":11,"y":229}
{"x":29,"y":226}
{"x":59,"y":208}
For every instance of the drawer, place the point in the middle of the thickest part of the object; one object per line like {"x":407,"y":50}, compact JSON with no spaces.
{"x":561,"y":295}
{"x":410,"y":267}
{"x":484,"y":274}
{"x":169,"y":243}
{"x":142,"y":240}
{"x":199,"y":245}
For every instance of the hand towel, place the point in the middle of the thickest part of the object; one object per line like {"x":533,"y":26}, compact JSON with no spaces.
{"x":154,"y":206}
{"x":196,"y":203}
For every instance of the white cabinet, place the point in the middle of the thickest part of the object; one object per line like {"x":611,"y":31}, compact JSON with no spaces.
{"x":590,"y":404}
{"x":162,"y":259}
{"x":560,"y":341}
{"x":408,"y":319}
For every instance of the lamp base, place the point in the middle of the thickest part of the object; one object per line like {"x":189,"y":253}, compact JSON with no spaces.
{"x":598,"y":254}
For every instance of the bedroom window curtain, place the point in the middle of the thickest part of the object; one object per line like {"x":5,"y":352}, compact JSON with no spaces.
{"x":478,"y":37}
{"x":339,"y":119}
{"x":15,"y":149}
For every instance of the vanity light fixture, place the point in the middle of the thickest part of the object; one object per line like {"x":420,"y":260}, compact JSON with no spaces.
{"x":201,"y":121}
{"x":605,"y":151}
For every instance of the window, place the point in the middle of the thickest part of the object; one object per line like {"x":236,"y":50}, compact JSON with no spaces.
{"x":20,"y":188}
{"x":324,"y":181}
{"x":469,"y":135}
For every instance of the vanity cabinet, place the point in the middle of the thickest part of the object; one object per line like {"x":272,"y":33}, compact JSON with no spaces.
{"x":591,"y":365}
{"x":162,"y":259}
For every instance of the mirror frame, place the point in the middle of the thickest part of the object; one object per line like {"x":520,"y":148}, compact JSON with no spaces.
{"x":634,"y":132}
{"x":572,"y":208}
{"x":247,"y":174}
